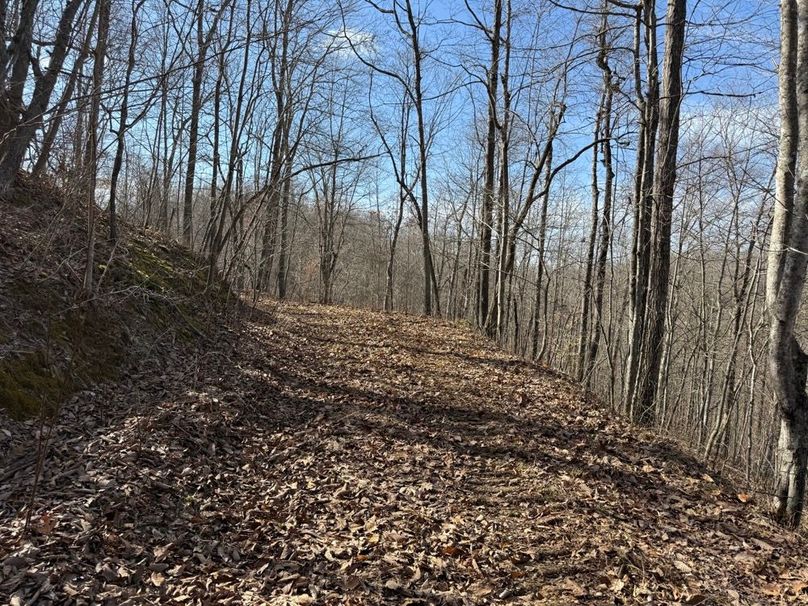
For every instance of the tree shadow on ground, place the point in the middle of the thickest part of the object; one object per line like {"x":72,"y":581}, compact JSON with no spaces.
{"x":259,"y":467}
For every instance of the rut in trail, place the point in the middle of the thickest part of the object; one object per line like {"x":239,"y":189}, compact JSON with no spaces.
{"x":318,"y":455}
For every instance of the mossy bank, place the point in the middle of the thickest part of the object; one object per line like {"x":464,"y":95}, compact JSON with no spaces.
{"x":54,"y":341}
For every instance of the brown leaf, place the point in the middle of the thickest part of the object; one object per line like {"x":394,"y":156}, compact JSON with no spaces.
{"x":771,"y":589}
{"x":47,"y":524}
{"x":450,"y":551}
{"x":352,"y":582}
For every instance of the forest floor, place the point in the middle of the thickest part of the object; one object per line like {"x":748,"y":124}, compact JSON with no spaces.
{"x":319,"y":455}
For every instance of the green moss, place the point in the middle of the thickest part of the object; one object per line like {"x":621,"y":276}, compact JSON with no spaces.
{"x":97,"y":344}
{"x":30,"y":385}
{"x":148,"y":269}
{"x":74,"y":345}
{"x":164,"y":269}
{"x":87,"y":350}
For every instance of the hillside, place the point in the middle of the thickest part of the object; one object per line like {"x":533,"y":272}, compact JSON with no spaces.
{"x":150,"y":295}
{"x":320,"y":455}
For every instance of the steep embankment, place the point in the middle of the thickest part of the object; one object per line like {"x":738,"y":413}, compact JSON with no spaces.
{"x":53,"y":340}
{"x":319,"y":455}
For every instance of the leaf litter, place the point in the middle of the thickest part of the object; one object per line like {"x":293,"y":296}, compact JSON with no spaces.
{"x":320,"y":455}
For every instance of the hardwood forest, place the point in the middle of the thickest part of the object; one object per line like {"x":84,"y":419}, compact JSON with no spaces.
{"x":403,"y":302}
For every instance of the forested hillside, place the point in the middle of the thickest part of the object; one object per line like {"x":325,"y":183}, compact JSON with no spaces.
{"x":552,"y":253}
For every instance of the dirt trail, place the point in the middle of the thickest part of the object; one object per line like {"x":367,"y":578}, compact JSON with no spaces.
{"x":320,"y":455}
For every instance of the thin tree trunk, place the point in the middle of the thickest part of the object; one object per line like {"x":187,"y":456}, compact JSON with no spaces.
{"x":539,"y":307}
{"x":608,"y":193}
{"x":503,"y":270}
{"x":283,"y":253}
{"x":586,"y":295}
{"x":486,"y":209}
{"x":91,"y":150}
{"x":203,"y":42}
{"x":123,"y":117}
{"x":429,"y":277}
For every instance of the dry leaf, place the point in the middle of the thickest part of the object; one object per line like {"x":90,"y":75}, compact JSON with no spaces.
{"x":47,"y":524}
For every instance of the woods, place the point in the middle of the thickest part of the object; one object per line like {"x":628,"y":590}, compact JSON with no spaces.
{"x":403,"y":302}
{"x":607,"y":188}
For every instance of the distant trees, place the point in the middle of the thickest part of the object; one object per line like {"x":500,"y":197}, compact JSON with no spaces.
{"x":408,"y":24}
{"x":335,"y":184}
{"x":396,"y":149}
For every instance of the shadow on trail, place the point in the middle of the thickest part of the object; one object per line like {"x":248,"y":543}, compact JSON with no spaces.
{"x":480,"y":428}
{"x":255,"y":469}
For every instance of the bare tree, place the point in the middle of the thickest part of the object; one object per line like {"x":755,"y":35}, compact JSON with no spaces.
{"x":123,"y":120}
{"x":204,"y":39}
{"x":643,"y":400}
{"x":487,"y":207}
{"x":91,"y":149}
{"x":605,"y":120}
{"x":788,"y":363}
{"x":19,"y":121}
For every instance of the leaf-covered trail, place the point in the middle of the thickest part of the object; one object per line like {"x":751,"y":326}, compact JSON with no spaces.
{"x":329,"y":456}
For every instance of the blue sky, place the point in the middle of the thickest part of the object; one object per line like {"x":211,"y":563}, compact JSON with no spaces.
{"x":730,"y":58}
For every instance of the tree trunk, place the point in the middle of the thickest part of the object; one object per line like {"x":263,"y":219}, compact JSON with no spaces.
{"x":664,"y":185}
{"x":641,"y":237}
{"x":388,"y":291}
{"x":788,"y":256}
{"x":487,"y":207}
{"x":608,"y":193}
{"x":503,"y":268}
{"x":24,"y":124}
{"x":203,"y":42}
{"x":91,"y":150}
{"x":67,"y":95}
{"x":120,"y":142}
{"x":283,"y":252}
{"x":586,"y":295}
{"x":535,"y":351}
{"x":193,"y":129}
{"x":422,"y":153}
